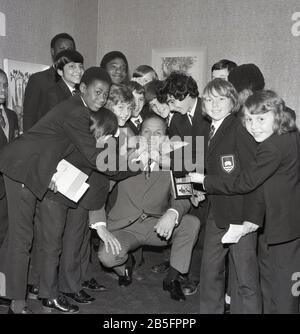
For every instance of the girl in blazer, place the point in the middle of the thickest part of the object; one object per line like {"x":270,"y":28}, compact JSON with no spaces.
{"x":275,"y":173}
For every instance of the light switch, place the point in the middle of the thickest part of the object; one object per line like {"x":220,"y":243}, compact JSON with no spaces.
{"x":2,"y":25}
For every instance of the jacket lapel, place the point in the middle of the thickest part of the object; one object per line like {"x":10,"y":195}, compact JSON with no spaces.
{"x":220,"y":133}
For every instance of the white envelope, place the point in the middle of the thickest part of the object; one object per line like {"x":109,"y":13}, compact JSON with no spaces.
{"x":233,"y":235}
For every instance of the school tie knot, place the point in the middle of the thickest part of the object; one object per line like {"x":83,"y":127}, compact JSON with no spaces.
{"x":211,"y":133}
{"x":2,"y":120}
{"x":74,"y":92}
{"x":137,"y":123}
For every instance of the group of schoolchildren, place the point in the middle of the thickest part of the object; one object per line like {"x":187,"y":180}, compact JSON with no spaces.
{"x":249,"y":240}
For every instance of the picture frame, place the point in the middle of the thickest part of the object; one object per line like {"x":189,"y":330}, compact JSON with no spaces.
{"x":18,"y":73}
{"x":192,"y":61}
{"x":182,"y":187}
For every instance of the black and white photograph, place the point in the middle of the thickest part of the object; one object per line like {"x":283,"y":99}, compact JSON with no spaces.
{"x":149,"y":160}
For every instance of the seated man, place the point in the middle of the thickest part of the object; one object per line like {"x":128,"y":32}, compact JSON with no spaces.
{"x":145,"y":213}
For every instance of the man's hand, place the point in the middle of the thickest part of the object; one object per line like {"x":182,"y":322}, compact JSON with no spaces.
{"x":197,"y":197}
{"x":109,"y":240}
{"x":196,"y":177}
{"x":249,"y":227}
{"x":165,"y":225}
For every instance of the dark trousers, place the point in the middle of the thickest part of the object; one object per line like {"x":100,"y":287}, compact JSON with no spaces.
{"x":74,"y":261}
{"x":3,"y":219}
{"x":246,"y":297}
{"x":21,"y":206}
{"x":278,"y":263}
{"x":201,"y":214}
{"x":62,"y":235}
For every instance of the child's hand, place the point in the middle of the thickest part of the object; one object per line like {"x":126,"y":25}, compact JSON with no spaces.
{"x":196,"y":177}
{"x":197,"y":197}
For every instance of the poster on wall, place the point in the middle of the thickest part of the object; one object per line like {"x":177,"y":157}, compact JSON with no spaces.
{"x":192,"y":61}
{"x":18,"y":73}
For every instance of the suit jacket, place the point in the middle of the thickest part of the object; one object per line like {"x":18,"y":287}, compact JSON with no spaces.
{"x":181,"y":126}
{"x":35,"y":92}
{"x":56,"y":94}
{"x":137,"y":195}
{"x":32,"y":158}
{"x":231,"y":150}
{"x":276,"y":168}
{"x":13,"y":133}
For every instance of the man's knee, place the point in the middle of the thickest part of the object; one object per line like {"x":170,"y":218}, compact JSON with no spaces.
{"x":110,"y":260}
{"x":191,"y":224}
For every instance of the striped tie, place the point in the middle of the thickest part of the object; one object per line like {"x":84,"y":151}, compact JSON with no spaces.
{"x":211,"y":134}
{"x":2,"y":120}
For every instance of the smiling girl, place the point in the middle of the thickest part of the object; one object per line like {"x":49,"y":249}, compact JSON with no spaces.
{"x":275,"y":173}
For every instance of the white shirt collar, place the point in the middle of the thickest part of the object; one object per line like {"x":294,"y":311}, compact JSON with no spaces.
{"x":218,"y":123}
{"x":70,"y":88}
{"x":192,"y":112}
{"x":138,"y":118}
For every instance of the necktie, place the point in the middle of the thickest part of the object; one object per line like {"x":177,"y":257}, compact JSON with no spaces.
{"x":74,"y":92}
{"x":2,"y":120}
{"x":137,"y":123}
{"x":190,"y":118}
{"x":211,"y":134}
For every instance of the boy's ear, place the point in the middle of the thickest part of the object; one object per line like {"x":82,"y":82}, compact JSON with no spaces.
{"x":60,"y":73}
{"x":82,"y":87}
{"x":52,"y":52}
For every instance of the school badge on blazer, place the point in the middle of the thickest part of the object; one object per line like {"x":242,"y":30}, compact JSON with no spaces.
{"x":227,"y":163}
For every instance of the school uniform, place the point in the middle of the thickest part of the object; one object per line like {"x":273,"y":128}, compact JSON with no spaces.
{"x":7,"y":134}
{"x":193,"y":125}
{"x":28,"y":165}
{"x":230,"y":150}
{"x":36,"y":90}
{"x":276,"y":168}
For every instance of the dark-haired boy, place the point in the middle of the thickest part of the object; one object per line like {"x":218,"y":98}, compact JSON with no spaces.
{"x":40,"y":82}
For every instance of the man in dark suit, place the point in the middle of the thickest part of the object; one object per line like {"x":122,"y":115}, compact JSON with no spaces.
{"x":183,"y":99}
{"x":40,"y":82}
{"x":145,"y":213}
{"x":29,"y":163}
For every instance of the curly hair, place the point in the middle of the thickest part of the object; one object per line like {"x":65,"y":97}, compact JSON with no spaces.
{"x":180,"y":85}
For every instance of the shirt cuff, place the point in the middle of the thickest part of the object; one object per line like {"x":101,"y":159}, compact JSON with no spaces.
{"x":97,"y":224}
{"x":177,"y":215}
{"x":203,"y":186}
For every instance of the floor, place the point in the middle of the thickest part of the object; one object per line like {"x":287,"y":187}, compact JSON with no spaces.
{"x":144,"y":296}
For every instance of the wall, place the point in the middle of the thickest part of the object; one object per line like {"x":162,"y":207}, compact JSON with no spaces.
{"x":30,"y":25}
{"x":257,"y":31}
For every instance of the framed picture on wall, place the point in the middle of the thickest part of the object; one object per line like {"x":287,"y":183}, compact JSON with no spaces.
{"x":18,"y":73}
{"x":192,"y":61}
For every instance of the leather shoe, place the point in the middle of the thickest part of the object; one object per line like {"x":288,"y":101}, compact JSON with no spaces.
{"x":126,"y":279}
{"x":32,"y":291}
{"x":5,"y":302}
{"x":93,"y":285}
{"x":59,"y":304}
{"x":175,"y":290}
{"x":161,"y":267}
{"x":189,"y":287}
{"x":80,"y":297}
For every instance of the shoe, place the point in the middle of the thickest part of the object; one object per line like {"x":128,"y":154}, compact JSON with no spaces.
{"x":5,"y":302}
{"x":174,"y":287}
{"x":126,"y":279}
{"x":59,"y":304}
{"x":189,"y":287}
{"x":32,"y":292}
{"x":227,"y":309}
{"x":25,"y":310}
{"x":161,"y":267}
{"x":93,"y":285}
{"x":81,"y":297}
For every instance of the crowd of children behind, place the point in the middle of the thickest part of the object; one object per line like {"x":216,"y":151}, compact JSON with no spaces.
{"x":249,"y":241}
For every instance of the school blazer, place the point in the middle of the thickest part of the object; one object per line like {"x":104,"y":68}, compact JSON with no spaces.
{"x":32,"y":158}
{"x":276,"y":168}
{"x":56,"y":94}
{"x":230,"y":151}
{"x":137,"y":195}
{"x":35,"y":93}
{"x":13,"y":133}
